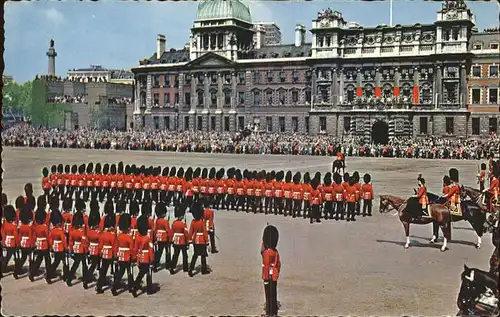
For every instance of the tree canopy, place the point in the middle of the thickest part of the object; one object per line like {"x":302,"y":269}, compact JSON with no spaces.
{"x":17,"y":97}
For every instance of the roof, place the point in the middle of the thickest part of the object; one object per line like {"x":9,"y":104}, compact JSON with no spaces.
{"x":92,"y":68}
{"x":170,"y":57}
{"x":484,"y":38}
{"x":218,"y":9}
{"x":283,"y":51}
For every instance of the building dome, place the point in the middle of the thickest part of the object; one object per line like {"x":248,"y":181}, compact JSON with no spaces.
{"x":223,"y":9}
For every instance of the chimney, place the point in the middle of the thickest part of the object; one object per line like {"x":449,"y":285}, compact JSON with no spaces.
{"x":260,"y":34}
{"x":300,"y":35}
{"x":160,"y":48}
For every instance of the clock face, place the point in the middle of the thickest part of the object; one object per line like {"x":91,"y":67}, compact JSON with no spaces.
{"x":452,"y":14}
{"x":325,"y":22}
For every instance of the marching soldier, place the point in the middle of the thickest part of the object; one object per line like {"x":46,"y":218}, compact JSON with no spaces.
{"x":46,"y":184}
{"x":53,"y":179}
{"x":307,"y":189}
{"x":211,"y":183}
{"x":297,"y":193}
{"x":268,"y":193}
{"x":9,"y":238}
{"x":188,"y":188}
{"x":179,"y":186}
{"x":481,"y":177}
{"x":41,"y":238}
{"x":144,"y":253}
{"x":250,"y":191}
{"x":78,"y":245}
{"x":259,"y":190}
{"x":107,"y":249}
{"x":163,"y":180}
{"x":423,"y":200}
{"x":351,"y":199}
{"x":220,"y":201}
{"x":97,"y":177}
{"x":124,"y":254}
{"x":67,"y":180}
{"x":67,"y":217}
{"x":106,"y":182}
{"x":196,"y":183}
{"x":155,"y":184}
{"x":89,"y":182}
{"x":357,"y":185}
{"x":454,"y":194}
{"x":287,"y":192}
{"x":26,"y":240}
{"x":231,"y":189}
{"x":278,"y":193}
{"x":203,"y":183}
{"x":172,"y":186}
{"x":446,"y":184}
{"x":161,"y":234}
{"x":120,"y":181}
{"x":339,"y":191}
{"x":134,"y":214}
{"x":74,"y":181}
{"x":367,"y":192}
{"x":60,"y":180}
{"x":93,"y":234}
{"x":58,"y":245}
{"x":271,"y":267}
{"x":198,"y":236}
{"x":179,"y":237}
{"x":316,"y":200}
{"x":129,"y":183}
{"x":240,"y":191}
{"x":328,"y":197}
{"x":208,"y":217}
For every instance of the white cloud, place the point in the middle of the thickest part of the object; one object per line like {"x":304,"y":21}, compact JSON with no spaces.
{"x":53,"y":15}
{"x":259,"y":11}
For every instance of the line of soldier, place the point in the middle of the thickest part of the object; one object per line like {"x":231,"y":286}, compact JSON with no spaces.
{"x":264,"y":192}
{"x":118,"y":240}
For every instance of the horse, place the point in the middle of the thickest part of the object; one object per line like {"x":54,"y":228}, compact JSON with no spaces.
{"x":337,"y":166}
{"x":478,"y":294}
{"x":409,"y":212}
{"x":477,"y":197}
{"x":495,"y":262}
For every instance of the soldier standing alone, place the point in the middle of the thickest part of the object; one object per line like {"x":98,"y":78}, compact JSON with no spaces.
{"x":271,"y":266}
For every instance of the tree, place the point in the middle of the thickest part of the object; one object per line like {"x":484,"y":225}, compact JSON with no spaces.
{"x":17,"y":97}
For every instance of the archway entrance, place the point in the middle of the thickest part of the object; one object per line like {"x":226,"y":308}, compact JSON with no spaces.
{"x":380,"y":132}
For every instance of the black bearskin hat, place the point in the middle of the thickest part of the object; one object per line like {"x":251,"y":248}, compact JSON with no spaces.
{"x":81,"y":169}
{"x":94,"y":217}
{"x":142,"y":169}
{"x":164,"y":173}
{"x":337,"y":178}
{"x":124,"y":222}
{"x":67,"y":204}
{"x":307,"y":178}
{"x":352,"y":181}
{"x":9,"y":213}
{"x":28,"y":189}
{"x":127,"y":169}
{"x":268,"y":177}
{"x":77,"y":220}
{"x":109,"y":207}
{"x":105,"y":168}
{"x":421,"y":179}
{"x":146,"y":209}
{"x":280,"y":175}
{"x":180,"y":211}
{"x":53,"y":169}
{"x":30,"y":203}
{"x":120,"y":168}
{"x":94,"y":205}
{"x":81,"y":206}
{"x":45,"y":172}
{"x":67,"y":169}
{"x":60,"y":168}
{"x":26,"y":216}
{"x":197,"y":172}
{"x":74,"y":169}
{"x":90,"y":167}
{"x":211,"y":174}
{"x":317,"y":175}
{"x":220,"y":174}
{"x":453,"y":172}
{"x":327,"y":179}
{"x":355,"y":175}
{"x":446,"y":180}
{"x":112,"y":169}
{"x":230,"y":172}
{"x":19,"y":202}
{"x":133,"y":208}
{"x":160,"y":210}
{"x":204,"y":173}
{"x":367,"y":178}
{"x":55,"y":217}
{"x":273,"y":175}
{"x":189,"y":174}
{"x":142,"y":225}
{"x":40,"y":216}
{"x":180,"y":172}
{"x":41,"y":202}
{"x":110,"y":221}
{"x":249,"y":175}
{"x":238,"y":175}
{"x":315,"y":183}
{"x":197,"y":210}
{"x":121,"y":206}
{"x":133,"y":169}
{"x":245,"y":173}
{"x":173,"y":172}
{"x":346,"y":177}
{"x":296,"y":178}
{"x":270,"y":237}
{"x":5,"y":199}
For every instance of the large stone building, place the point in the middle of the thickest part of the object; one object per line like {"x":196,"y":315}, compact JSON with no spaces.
{"x":272,"y":32}
{"x":376,"y":82}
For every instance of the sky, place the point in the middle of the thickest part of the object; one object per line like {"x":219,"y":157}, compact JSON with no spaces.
{"x":118,"y":34}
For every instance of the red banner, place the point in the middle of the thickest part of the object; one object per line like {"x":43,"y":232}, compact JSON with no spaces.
{"x":396,"y":91}
{"x":416,"y":96}
{"x":359,"y":92}
{"x":378,"y":92}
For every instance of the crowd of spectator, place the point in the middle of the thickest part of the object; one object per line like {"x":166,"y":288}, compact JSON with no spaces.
{"x":119,"y":100}
{"x":252,"y":143}
{"x":80,"y":98}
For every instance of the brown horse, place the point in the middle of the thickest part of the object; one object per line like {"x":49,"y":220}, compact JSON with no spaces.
{"x":495,"y":262}
{"x":409,"y":212}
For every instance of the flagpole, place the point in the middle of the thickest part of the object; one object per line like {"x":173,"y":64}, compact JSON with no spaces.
{"x":390,"y":13}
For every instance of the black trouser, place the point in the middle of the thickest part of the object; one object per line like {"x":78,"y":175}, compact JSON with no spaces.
{"x":481,"y":186}
{"x":5,"y":261}
{"x":258,"y":204}
{"x":103,"y":272}
{"x":268,"y":205}
{"x":147,"y":195}
{"x":86,"y":193}
{"x":288,"y":206}
{"x":130,"y":194}
{"x":175,"y":257}
{"x":351,"y":206}
{"x":297,"y":207}
{"x":61,"y":191}
{"x":249,"y":199}
{"x":58,"y":258}
{"x":40,"y":254}
{"x":154,"y":195}
{"x":220,"y":202}
{"x":138,"y":195}
{"x":230,"y":202}
{"x":119,"y":271}
{"x":144,"y":270}
{"x":78,"y":258}
{"x":104,"y":192}
{"x":25,"y":253}
{"x":328,"y":212}
{"x":199,"y":250}
{"x":270,"y":289}
{"x":367,"y":204}
{"x":340,"y":210}
{"x":278,"y":205}
{"x":94,"y":263}
{"x":211,"y":234}
{"x":240,"y":202}
{"x":177,"y":198}
{"x":188,"y":201}
{"x":315,"y":213}
{"x":358,"y":206}
{"x":169,"y":196}
{"x":159,"y":252}
{"x":307,"y":208}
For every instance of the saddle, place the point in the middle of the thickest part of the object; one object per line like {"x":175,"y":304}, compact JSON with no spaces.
{"x":454,"y":210}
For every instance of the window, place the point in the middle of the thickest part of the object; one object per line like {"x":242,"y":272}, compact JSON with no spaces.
{"x":475,"y":126}
{"x":494,"y":46}
{"x":213,"y":78}
{"x":166,"y":78}
{"x":201,"y":78}
{"x":213,"y":98}
{"x":282,"y":76}
{"x":241,"y":78}
{"x":256,"y":77}
{"x":227,"y":97}
{"x":199,"y":123}
{"x":347,"y":124}
{"x":476,"y":95}
{"x":350,"y":94}
{"x":493,"y":96}
{"x":176,"y":98}
{"x":477,"y":47}
{"x":166,"y":123}
{"x":256,"y":98}
{"x":186,"y":122}
{"x":308,"y":96}
{"x":476,"y":71}
{"x":227,"y":78}
{"x":156,"y":122}
{"x":306,"y":124}
{"x":187,"y":98}
{"x":166,"y":99}
{"x":241,"y":123}
{"x":226,"y":124}
{"x":281,"y":96}
{"x":241,"y":97}
{"x":176,"y":81}
{"x":493,"y":71}
{"x":449,"y":125}
{"x":270,"y":76}
{"x":423,"y":125}
{"x":322,"y":124}
{"x":295,"y":124}
{"x":269,"y":97}
{"x":212,"y":123}
{"x":493,"y":126}
{"x":156,"y":81}
{"x":282,"y":124}
{"x":188,"y":79}
{"x":200,"y":98}
{"x":156,"y":100}
{"x":269,"y":124}
{"x":295,"y":76}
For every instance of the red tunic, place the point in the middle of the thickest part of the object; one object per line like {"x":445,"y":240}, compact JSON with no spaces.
{"x":143,"y":250}
{"x":9,"y":234}
{"x":107,"y":245}
{"x":26,"y":236}
{"x":179,"y":233}
{"x":120,"y":180}
{"x":422,"y":196}
{"x":259,"y":188}
{"x":67,"y":219}
{"x":250,"y":188}
{"x":125,"y":247}
{"x":211,"y":186}
{"x":268,"y":189}
{"x":93,"y":240}
{"x":57,"y":240}
{"x":78,"y":242}
{"x":240,"y":188}
{"x":146,"y":183}
{"x":203,"y":186}
{"x":351,"y":194}
{"x":278,"y":189}
{"x":196,"y":185}
{"x":306,"y":190}
{"x":316,"y":198}
{"x":339,"y":192}
{"x":287,"y":189}
{"x":41,"y":236}
{"x":271,"y":265}
{"x":327,"y":193}
{"x":297,"y":191}
{"x":221,"y":186}
{"x":46,"y":184}
{"x":188,"y":189}
{"x":208,"y":216}
{"x":198,"y":232}
{"x":162,"y":230}
{"x":367,"y":191}
{"x":231,"y":187}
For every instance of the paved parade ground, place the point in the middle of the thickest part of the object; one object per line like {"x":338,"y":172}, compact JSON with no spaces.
{"x":332,"y":268}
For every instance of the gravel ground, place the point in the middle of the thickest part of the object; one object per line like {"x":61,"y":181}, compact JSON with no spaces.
{"x":332,"y":268}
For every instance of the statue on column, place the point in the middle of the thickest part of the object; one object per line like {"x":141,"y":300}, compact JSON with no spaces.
{"x":51,"y":43}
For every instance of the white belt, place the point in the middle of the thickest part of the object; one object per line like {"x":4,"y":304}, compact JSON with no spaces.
{"x":93,"y":243}
{"x":10,"y":237}
{"x":77,"y":243}
{"x":123,"y":249}
{"x":199,"y":233}
{"x":145,"y":251}
{"x":41,"y":239}
{"x":178,"y":234}
{"x":107,"y":247}
{"x":161,"y":230}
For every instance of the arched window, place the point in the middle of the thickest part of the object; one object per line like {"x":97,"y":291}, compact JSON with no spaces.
{"x":387,"y":91}
{"x":350,"y":93}
{"x":200,"y":98}
{"x":368,"y":90}
{"x":143,"y":99}
{"x":406,"y":91}
{"x":426,"y":93}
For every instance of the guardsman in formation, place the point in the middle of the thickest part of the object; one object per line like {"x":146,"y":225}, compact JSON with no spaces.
{"x":26,"y":239}
{"x":481,"y":177}
{"x":357,"y":185}
{"x":78,"y":246}
{"x":107,"y":249}
{"x":9,"y":238}
{"x":297,"y":195}
{"x":421,"y":195}
{"x":124,"y":255}
{"x":249,"y":190}
{"x":208,"y":217}
{"x":367,"y":192}
{"x":212,"y":185}
{"x":268,"y":193}
{"x":46,"y":183}
{"x":144,"y":253}
{"x":41,"y":239}
{"x":454,"y":194}
{"x":58,"y":245}
{"x":67,"y":207}
{"x":278,"y":193}
{"x":231,"y":189}
{"x":271,"y":267}
{"x":221,"y":188}
{"x":161,"y":234}
{"x":180,"y":238}
{"x":198,"y":236}
{"x":316,"y":201}
{"x":93,"y":234}
{"x":327,"y":195}
{"x":287,"y":192}
{"x":306,"y":189}
{"x":351,"y":199}
{"x":339,"y":192}
{"x":240,"y":191}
